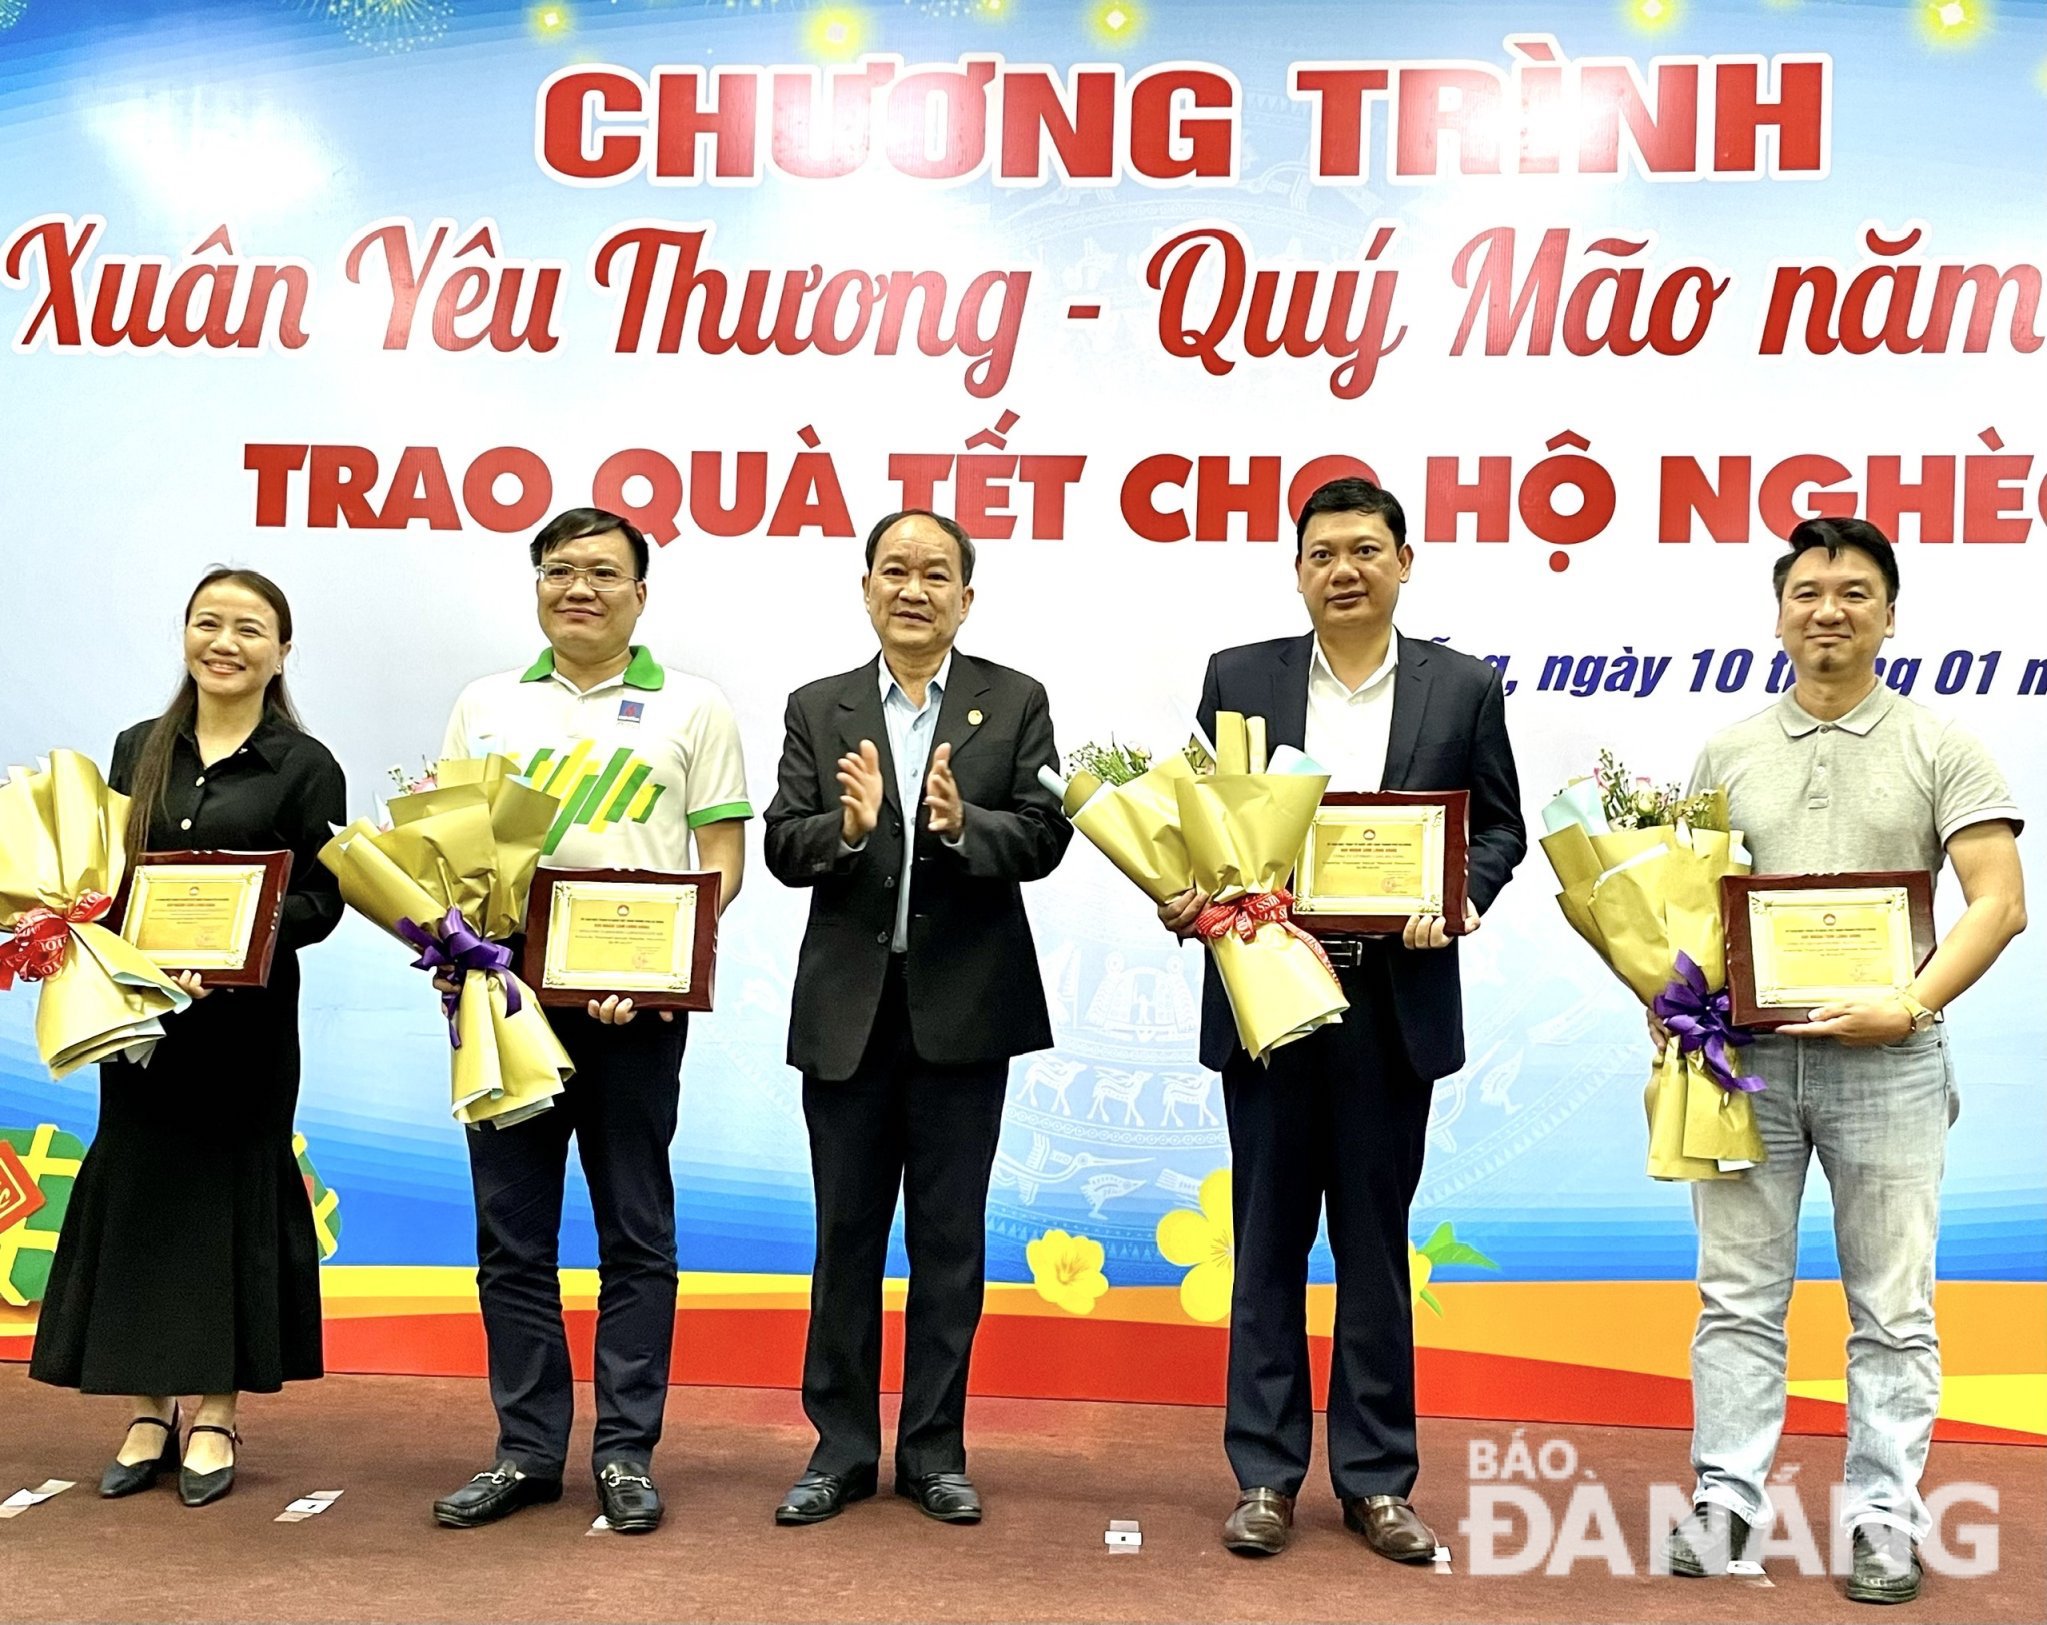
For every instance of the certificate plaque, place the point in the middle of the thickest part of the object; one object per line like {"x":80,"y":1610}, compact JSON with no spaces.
{"x":212,"y":913}
{"x":1797,"y":941}
{"x":636,"y":933}
{"x":1373,"y":858}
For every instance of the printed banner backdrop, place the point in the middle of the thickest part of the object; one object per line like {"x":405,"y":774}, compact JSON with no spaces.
{"x":1611,"y":294}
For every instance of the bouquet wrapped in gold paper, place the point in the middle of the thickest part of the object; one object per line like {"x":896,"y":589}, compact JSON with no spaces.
{"x":1640,"y":867}
{"x":1208,"y":820}
{"x":61,"y":862}
{"x":1129,"y":807}
{"x":450,"y":877}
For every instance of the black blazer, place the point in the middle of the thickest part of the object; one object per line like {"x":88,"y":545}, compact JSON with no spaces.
{"x":1449,"y":732}
{"x":975,"y":994}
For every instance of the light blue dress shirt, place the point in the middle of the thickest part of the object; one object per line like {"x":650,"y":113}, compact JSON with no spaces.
{"x":910,"y":733}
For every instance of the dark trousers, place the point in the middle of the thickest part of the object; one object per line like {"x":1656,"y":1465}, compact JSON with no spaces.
{"x":1338,"y":1116}
{"x":621,"y":1107}
{"x":898,"y":1123}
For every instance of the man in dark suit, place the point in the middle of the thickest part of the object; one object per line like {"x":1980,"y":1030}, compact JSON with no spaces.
{"x":1342,"y":1114}
{"x":909,"y":801}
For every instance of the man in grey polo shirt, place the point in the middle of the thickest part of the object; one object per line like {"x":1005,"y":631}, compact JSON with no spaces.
{"x":1841,"y":774}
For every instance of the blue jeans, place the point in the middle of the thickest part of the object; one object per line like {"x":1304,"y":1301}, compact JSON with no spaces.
{"x":1878,"y":1119}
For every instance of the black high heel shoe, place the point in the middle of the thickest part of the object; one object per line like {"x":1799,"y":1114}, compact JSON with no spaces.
{"x":126,"y":1477}
{"x":196,"y":1489}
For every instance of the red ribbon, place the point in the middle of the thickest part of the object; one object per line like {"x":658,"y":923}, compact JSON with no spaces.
{"x":36,"y":949}
{"x":1246,"y":915}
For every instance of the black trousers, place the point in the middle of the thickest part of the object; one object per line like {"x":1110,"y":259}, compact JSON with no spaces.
{"x":1337,"y":1117}
{"x":620,"y":1105}
{"x":899,"y":1123}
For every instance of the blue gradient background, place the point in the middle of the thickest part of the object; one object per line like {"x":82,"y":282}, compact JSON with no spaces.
{"x":125,"y":470}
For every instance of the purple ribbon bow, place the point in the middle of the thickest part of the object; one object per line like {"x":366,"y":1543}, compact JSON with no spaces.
{"x":1700,"y":1020}
{"x":459,"y":950}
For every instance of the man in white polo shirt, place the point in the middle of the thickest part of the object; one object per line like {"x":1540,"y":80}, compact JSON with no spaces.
{"x":1842,"y":775}
{"x":645,"y":761}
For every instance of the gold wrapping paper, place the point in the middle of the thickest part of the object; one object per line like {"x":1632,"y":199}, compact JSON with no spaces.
{"x":1243,"y":832}
{"x":1136,"y":826}
{"x":61,"y":834}
{"x":470,"y":844}
{"x":1640,"y":897}
{"x":1249,"y":829}
{"x":1232,"y":744}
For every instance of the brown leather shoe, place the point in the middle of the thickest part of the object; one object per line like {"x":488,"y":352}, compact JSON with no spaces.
{"x":1259,"y":1525}
{"x":1391,"y":1527}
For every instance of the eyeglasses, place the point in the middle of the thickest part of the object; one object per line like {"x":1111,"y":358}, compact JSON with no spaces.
{"x":603,"y":578}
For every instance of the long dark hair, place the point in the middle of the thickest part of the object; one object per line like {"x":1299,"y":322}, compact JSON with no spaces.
{"x":153,"y":766}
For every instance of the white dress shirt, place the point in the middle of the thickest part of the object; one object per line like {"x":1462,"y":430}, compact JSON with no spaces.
{"x":1348,"y":727}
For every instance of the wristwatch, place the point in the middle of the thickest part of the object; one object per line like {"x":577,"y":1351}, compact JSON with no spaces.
{"x":1922,"y":1018}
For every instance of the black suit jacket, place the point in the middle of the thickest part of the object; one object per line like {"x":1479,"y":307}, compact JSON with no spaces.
{"x":1449,"y":732}
{"x":972,"y":970}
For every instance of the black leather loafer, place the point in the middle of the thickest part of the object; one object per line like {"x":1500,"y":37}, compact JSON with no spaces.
{"x":817,"y":1496}
{"x":632,"y":1505}
{"x":1707,"y":1541}
{"x":948,"y":1497}
{"x":1886,"y":1567}
{"x":202,"y":1489}
{"x":127,"y":1477}
{"x":493,"y":1495}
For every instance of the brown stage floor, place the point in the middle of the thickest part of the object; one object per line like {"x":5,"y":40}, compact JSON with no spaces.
{"x":1052,"y":1473}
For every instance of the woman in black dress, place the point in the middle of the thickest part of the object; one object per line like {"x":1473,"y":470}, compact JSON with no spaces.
{"x":188,"y":1262}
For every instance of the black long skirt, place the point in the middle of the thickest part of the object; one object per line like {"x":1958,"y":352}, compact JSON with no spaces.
{"x":188,"y":1262}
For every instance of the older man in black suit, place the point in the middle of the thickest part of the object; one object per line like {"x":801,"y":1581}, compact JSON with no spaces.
{"x":1342,"y":1114}
{"x":909,"y":801}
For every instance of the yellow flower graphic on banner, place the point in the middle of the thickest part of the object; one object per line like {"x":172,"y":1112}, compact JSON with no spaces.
{"x":1205,"y":1243}
{"x":1067,"y":1270}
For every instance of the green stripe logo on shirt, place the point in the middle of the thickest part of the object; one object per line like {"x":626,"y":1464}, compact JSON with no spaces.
{"x":622,"y":791}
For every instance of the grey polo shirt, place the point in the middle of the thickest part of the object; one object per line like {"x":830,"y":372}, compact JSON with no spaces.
{"x":1884,"y":787}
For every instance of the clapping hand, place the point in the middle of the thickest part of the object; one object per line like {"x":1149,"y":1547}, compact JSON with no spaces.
{"x":942,"y":797}
{"x":859,"y":793}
